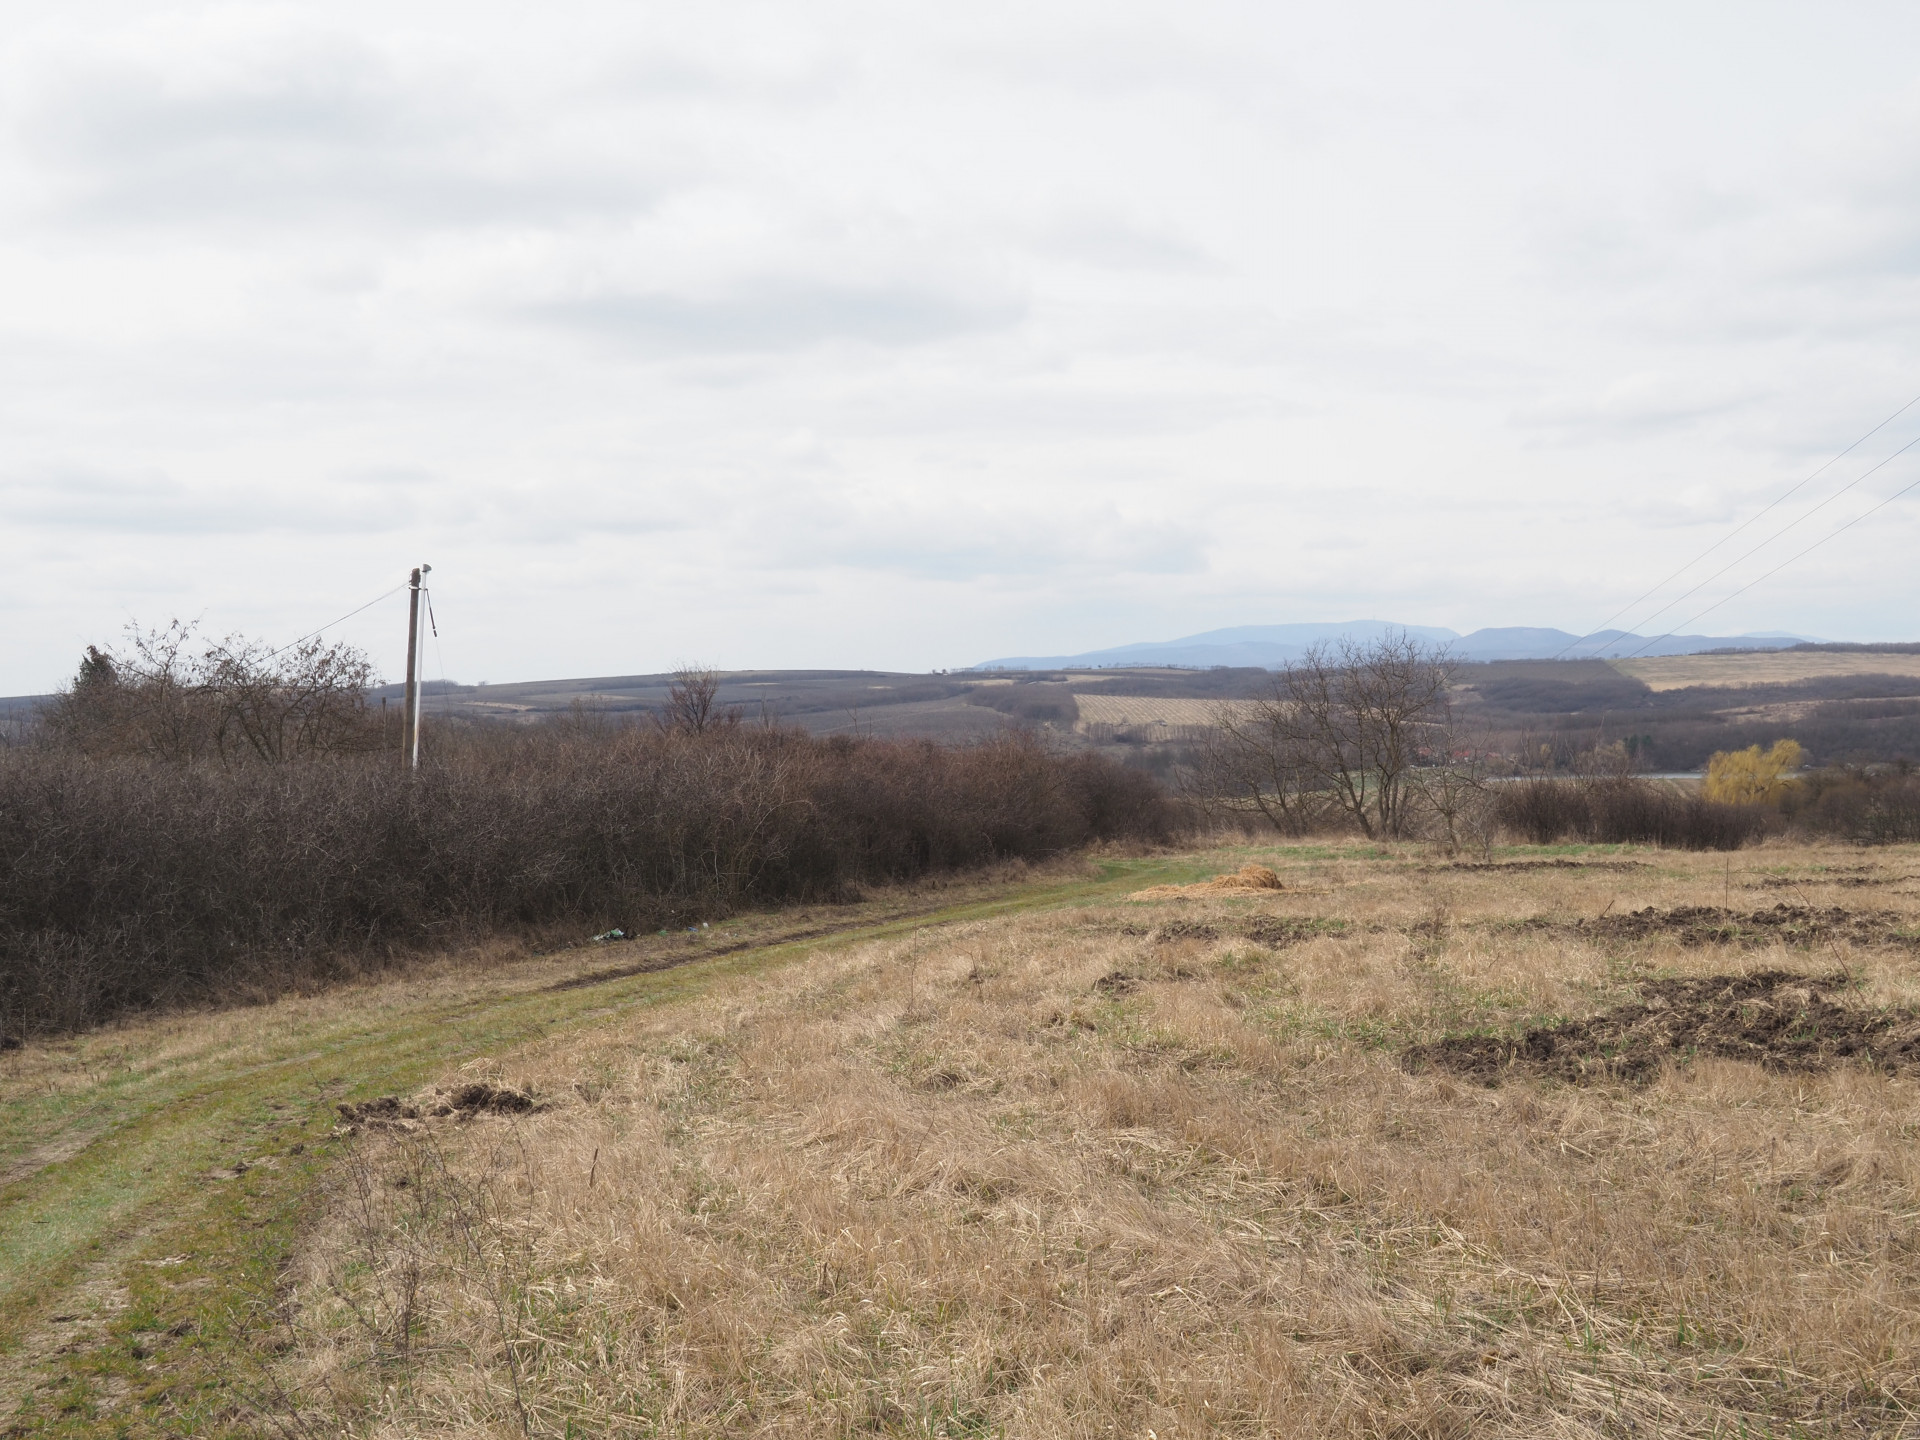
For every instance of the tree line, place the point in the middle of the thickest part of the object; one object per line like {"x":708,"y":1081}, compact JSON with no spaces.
{"x":221,"y":822}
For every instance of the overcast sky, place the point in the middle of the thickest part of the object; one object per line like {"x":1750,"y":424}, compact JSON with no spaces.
{"x":908,"y":335}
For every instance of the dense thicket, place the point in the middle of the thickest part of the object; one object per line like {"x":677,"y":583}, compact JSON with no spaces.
{"x":128,"y":882}
{"x":1621,"y":810}
{"x":1866,"y":807}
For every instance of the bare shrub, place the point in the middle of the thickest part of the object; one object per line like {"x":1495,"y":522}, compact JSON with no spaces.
{"x":1541,"y":809}
{"x":1621,"y":810}
{"x":1867,"y":807}
{"x":164,"y":696}
{"x":126,"y":882}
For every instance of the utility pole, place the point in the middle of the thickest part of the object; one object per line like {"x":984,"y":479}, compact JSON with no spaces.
{"x":410,"y":712}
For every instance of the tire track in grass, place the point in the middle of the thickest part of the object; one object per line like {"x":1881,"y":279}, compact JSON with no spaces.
{"x":179,"y":1181}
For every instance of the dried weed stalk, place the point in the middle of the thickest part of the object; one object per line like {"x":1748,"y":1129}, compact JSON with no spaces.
{"x":1063,"y":1176}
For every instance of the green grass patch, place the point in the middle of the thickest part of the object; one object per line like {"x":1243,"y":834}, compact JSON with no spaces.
{"x":136,"y":1211}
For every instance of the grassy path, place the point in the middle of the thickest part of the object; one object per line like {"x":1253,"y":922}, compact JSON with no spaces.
{"x":153,"y":1178}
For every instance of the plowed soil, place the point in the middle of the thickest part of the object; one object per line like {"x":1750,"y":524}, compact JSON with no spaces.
{"x":1774,"y":1018}
{"x":1515,"y":867}
{"x":1175,"y":931}
{"x":1791,"y":924}
{"x":1277,"y":932}
{"x":462,"y":1102}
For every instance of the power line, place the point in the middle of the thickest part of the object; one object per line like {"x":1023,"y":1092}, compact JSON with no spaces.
{"x":1911,"y":485}
{"x":1808,"y":515}
{"x":331,"y":623}
{"x":1752,"y":519}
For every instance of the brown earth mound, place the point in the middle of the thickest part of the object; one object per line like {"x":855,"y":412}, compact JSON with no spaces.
{"x":1773,"y":1017}
{"x":1515,"y":865}
{"x":1791,"y":924}
{"x":1176,"y":930}
{"x":1851,"y":878}
{"x":1277,"y":932}
{"x":463,"y":1102}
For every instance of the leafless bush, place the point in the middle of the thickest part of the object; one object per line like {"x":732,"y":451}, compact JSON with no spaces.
{"x":1621,"y":810}
{"x":164,"y":696}
{"x":1541,"y":809}
{"x":1867,"y":807}
{"x":128,"y":882}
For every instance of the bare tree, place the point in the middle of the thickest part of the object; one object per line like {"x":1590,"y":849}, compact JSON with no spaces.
{"x":1339,"y":731}
{"x":1449,"y":786}
{"x":693,"y":706}
{"x":1250,"y":763}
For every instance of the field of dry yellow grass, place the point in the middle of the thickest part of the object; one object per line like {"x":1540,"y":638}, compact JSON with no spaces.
{"x":1147,"y":712}
{"x":1178,"y":1167}
{"x":1762,"y":667}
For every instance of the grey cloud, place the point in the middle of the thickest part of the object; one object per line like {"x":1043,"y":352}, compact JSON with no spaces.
{"x":327,"y":133}
{"x":1112,"y":242}
{"x":1245,"y":275}
{"x":1653,"y":406}
{"x":656,"y":75}
{"x":772,"y":315}
{"x":1824,"y":244}
{"x":980,"y":560}
{"x":557,"y":516}
{"x":1125,"y":60}
{"x":970,"y":539}
{"x":1032,"y":408}
{"x":75,"y":498}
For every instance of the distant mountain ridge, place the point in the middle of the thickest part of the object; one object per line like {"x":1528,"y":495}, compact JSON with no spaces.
{"x":1270,"y":645}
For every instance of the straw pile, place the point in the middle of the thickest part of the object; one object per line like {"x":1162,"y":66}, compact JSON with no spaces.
{"x":1247,"y":880}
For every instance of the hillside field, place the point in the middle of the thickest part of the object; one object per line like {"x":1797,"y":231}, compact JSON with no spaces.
{"x":1762,"y":667}
{"x":1572,"y":1143}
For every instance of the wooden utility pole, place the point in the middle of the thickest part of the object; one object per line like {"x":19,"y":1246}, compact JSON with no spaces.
{"x":410,"y":711}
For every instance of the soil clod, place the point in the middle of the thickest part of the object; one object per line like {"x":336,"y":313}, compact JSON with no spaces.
{"x":1791,"y":924}
{"x":386,"y":1109}
{"x":1774,"y":1018}
{"x":1847,"y":879}
{"x":1516,"y":866}
{"x":1277,"y":932}
{"x":1176,"y":930}
{"x":494,"y":1099}
{"x":478,"y":1097}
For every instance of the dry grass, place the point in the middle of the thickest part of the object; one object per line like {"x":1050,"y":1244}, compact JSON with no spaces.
{"x":1123,"y":1170}
{"x":1138,"y":711}
{"x":1761,"y":667}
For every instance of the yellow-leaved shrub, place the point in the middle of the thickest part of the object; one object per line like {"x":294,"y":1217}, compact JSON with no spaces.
{"x":1752,"y":776}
